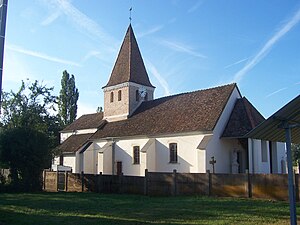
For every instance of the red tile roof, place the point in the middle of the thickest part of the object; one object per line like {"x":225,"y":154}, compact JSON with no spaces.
{"x":129,"y":65}
{"x":87,"y":121}
{"x":194,"y":111}
{"x":244,"y":118}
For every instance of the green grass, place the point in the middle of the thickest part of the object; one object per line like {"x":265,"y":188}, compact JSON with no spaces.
{"x":91,"y":208}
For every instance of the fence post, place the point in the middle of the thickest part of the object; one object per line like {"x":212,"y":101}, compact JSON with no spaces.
{"x":174,"y":184}
{"x":249,"y":184}
{"x":99,"y":182}
{"x":297,"y":186}
{"x":66,"y":181}
{"x":146,"y":182}
{"x":82,"y":181}
{"x":209,"y":182}
{"x":120,"y":183}
{"x":44,"y":180}
{"x":57,"y":180}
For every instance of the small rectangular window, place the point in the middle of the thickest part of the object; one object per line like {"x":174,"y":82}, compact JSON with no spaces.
{"x":136,"y":155}
{"x":264,"y":151}
{"x":119,"y":95}
{"x":111,"y":96}
{"x":173,"y":152}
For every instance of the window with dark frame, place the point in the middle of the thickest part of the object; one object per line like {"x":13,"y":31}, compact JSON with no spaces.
{"x":111,"y":96}
{"x":173,"y":152}
{"x":136,"y":154}
{"x":137,"y":95}
{"x":119,"y":95}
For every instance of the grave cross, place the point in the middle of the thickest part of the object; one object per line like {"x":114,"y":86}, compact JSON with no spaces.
{"x":213,"y":162}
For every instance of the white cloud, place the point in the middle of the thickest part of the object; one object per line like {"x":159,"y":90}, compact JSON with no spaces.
{"x":275,"y":92}
{"x":179,"y":47}
{"x":105,"y":58}
{"x":195,"y":6}
{"x":90,"y":54}
{"x":50,"y":19}
{"x":268,"y":46}
{"x":40,"y":55}
{"x":15,"y":70}
{"x":151,"y":31}
{"x":159,"y":77}
{"x":236,"y":63}
{"x":81,"y":21}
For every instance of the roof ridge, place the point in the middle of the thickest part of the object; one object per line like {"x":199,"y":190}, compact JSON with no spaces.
{"x":88,"y":114}
{"x":191,"y":92}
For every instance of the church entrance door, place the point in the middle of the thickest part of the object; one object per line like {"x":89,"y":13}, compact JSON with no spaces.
{"x":119,"y":168}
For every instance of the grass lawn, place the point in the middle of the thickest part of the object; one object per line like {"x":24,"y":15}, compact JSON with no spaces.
{"x":92,"y":208}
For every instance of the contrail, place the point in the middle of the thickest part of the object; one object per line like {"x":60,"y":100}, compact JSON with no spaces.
{"x":267,"y":47}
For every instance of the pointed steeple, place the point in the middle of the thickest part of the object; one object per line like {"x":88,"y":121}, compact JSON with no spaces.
{"x":129,"y":66}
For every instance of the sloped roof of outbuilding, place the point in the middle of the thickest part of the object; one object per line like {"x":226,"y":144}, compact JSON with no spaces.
{"x":187,"y":112}
{"x":244,"y":118}
{"x":74,"y":143}
{"x":274,"y":128}
{"x":88,"y":121}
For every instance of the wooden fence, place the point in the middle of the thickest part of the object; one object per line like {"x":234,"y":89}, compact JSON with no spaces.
{"x":266,"y":186}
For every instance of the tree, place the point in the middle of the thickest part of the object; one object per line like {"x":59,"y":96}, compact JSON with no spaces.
{"x":296,"y":155}
{"x":68,"y":97}
{"x":26,"y":152}
{"x":28,"y":132}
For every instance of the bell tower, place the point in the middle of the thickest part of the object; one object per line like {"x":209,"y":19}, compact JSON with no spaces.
{"x":129,"y":84}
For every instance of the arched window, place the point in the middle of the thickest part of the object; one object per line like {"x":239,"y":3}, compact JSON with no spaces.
{"x":111,"y":96}
{"x":119,"y":95}
{"x":173,"y":152}
{"x":136,"y":154}
{"x":137,"y":95}
{"x":146,"y":96}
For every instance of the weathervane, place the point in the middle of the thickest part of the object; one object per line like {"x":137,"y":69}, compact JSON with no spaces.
{"x":130,"y":14}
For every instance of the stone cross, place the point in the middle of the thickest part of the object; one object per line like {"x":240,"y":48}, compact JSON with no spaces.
{"x":213,"y":162}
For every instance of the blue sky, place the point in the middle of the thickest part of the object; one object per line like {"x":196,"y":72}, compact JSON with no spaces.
{"x":187,"y":45}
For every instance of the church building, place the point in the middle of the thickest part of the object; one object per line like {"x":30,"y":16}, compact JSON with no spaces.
{"x":190,"y":132}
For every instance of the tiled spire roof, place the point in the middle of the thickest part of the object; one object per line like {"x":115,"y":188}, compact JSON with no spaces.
{"x":129,"y":66}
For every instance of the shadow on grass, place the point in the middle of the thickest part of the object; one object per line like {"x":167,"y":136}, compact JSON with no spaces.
{"x":91,"y":208}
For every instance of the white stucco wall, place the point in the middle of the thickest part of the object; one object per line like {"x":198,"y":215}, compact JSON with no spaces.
{"x":149,"y":157}
{"x":70,"y":160}
{"x":89,"y":160}
{"x":103,"y":158}
{"x":65,"y":135}
{"x":155,"y":158}
{"x":278,"y":155}
{"x":190,"y":159}
{"x":281,"y":157}
{"x":124,"y":154}
{"x":218,"y":148}
{"x":255,"y":153}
